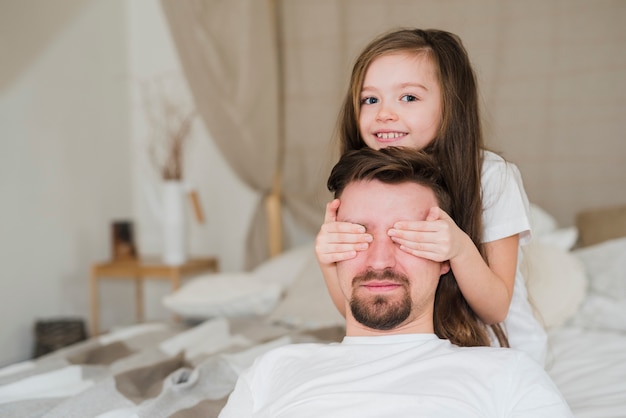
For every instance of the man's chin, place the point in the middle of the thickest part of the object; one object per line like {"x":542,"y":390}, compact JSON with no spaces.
{"x":380,"y":312}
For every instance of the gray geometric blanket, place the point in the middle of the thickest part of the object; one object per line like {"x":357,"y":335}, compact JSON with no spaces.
{"x":148,"y":370}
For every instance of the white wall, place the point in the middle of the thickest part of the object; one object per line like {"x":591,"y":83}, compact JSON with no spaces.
{"x":64,"y":161}
{"x":73,"y":158}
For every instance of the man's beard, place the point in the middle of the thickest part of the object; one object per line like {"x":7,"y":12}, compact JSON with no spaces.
{"x":381,"y":312}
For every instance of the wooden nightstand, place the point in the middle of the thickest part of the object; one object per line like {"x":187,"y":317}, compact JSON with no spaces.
{"x":138,"y":271}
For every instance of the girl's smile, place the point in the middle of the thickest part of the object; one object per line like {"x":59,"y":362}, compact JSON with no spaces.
{"x":390,"y":136}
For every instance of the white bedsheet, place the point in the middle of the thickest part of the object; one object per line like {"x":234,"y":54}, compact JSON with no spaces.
{"x":589,"y":366}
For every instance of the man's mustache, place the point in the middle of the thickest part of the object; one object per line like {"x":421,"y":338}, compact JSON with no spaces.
{"x":386,"y":274}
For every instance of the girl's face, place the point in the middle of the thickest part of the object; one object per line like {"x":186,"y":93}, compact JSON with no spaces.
{"x":400,"y":102}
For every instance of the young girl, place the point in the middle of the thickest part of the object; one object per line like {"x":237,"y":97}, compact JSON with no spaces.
{"x":416,"y":88}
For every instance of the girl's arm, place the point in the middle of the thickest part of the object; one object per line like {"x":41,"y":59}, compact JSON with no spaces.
{"x":488,"y":288}
{"x":337,"y":241}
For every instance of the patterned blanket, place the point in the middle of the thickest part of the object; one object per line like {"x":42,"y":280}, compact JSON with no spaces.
{"x":148,"y":370}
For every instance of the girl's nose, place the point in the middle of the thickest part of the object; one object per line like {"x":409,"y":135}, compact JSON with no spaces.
{"x":381,"y":253}
{"x":386,"y":112}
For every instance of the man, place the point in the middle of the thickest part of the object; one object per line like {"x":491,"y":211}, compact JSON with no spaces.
{"x":391,"y":362}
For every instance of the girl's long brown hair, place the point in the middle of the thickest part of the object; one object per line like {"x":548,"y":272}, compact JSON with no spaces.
{"x":457,"y":146}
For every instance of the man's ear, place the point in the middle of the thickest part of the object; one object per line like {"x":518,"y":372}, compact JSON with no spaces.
{"x":445,"y":267}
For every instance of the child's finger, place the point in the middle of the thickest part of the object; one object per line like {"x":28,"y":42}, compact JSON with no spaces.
{"x":336,"y":257}
{"x":342,"y":228}
{"x":340,"y":238}
{"x":433,"y":214}
{"x":330,"y":248}
{"x":414,"y":245}
{"x":331,"y":211}
{"x":429,"y":255}
{"x":442,"y":214}
{"x":414,"y":226}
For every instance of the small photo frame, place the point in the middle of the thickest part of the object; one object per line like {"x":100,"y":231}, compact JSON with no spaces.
{"x":123,"y":240}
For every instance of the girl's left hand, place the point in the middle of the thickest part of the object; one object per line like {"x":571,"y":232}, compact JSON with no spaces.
{"x":436,"y":238}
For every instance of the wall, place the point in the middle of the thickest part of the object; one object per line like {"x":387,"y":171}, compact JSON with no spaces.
{"x":552,"y":78}
{"x":554,"y":83}
{"x":74,"y":142}
{"x":64,"y":158}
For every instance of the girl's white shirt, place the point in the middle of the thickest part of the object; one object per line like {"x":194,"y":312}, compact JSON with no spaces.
{"x":506,"y":212}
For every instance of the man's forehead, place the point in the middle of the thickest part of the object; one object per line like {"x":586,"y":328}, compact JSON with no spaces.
{"x":375,"y":203}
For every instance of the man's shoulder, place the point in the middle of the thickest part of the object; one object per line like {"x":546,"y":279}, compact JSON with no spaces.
{"x":294,"y":351}
{"x":497,"y":357}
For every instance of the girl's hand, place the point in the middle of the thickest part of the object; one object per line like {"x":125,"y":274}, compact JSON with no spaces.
{"x":437,"y":238}
{"x":338,"y":241}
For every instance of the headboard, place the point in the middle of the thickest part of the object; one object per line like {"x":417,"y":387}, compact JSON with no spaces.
{"x":597,"y":225}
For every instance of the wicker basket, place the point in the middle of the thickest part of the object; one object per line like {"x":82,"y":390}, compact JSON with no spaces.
{"x":57,"y":333}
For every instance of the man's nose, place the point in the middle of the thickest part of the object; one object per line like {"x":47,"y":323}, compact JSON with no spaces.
{"x":381,"y":253}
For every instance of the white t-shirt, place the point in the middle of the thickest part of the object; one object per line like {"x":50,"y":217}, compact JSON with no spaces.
{"x":505,"y":213}
{"x":405,"y":375}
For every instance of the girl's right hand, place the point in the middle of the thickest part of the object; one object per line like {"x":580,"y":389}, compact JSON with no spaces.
{"x":338,"y":241}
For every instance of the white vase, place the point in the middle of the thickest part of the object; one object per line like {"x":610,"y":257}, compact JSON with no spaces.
{"x":174,"y":223}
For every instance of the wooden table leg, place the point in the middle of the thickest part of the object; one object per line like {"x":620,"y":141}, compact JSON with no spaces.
{"x":175,"y":285}
{"x":175,"y":280}
{"x":139,"y":297}
{"x":95,"y":309}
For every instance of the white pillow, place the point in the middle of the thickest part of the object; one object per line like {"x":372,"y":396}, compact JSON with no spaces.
{"x":307,"y":303}
{"x":238,"y":294}
{"x":556,"y":282}
{"x":284,"y":268}
{"x":541,"y":221}
{"x":546,"y":229}
{"x":563,"y":238}
{"x":605,"y":264}
{"x":223,"y":295}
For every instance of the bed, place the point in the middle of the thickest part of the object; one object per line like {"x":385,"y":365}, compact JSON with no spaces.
{"x":187,"y":369}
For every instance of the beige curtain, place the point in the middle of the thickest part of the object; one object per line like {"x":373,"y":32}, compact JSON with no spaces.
{"x":262,"y":91}
{"x":228,"y":53}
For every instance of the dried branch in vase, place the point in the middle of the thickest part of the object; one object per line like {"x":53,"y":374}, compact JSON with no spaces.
{"x":170,"y":123}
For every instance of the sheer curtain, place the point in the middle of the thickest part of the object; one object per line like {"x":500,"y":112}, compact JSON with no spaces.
{"x":228,"y":53}
{"x":262,"y":87}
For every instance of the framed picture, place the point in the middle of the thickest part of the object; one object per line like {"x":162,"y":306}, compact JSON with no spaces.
{"x":123,"y":240}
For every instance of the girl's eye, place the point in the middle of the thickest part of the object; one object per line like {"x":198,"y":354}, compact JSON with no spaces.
{"x":409,"y":98}
{"x":369,"y":100}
